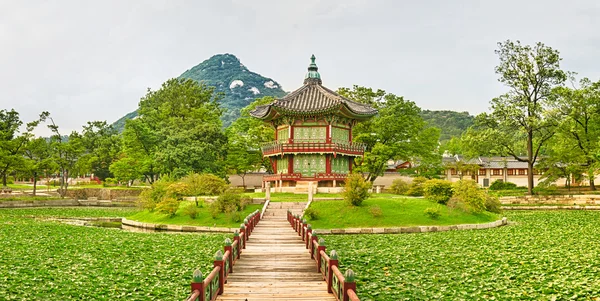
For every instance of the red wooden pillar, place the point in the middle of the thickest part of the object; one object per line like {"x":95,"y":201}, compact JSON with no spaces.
{"x":290,"y":164}
{"x":198,"y":284}
{"x":348,"y":286}
{"x":221,"y":264}
{"x":332,"y":263}
{"x":243,"y":234}
{"x":328,"y":134}
{"x":308,"y":236}
{"x":319,"y":249}
{"x":350,"y":161}
{"x":236,"y":237}
{"x":313,"y":242}
{"x":230,"y":249}
{"x":248,"y":229}
{"x":291,"y":138}
{"x":328,"y":164}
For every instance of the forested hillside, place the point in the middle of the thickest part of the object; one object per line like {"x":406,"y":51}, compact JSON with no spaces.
{"x":451,"y":123}
{"x":229,"y":76}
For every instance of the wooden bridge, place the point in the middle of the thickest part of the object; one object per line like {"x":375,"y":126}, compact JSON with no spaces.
{"x":274,"y":264}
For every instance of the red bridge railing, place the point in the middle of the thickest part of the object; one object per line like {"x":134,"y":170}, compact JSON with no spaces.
{"x":209,"y":288}
{"x":342,"y":286}
{"x":299,"y":146}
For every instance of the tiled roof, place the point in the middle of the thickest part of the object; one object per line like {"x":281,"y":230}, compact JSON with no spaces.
{"x":313,"y":98}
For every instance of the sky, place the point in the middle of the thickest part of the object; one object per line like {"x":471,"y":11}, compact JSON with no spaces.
{"x":94,"y":60}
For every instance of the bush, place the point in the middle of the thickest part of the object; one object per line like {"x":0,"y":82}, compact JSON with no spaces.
{"x":501,"y":185}
{"x":235,"y":216}
{"x":376,"y":211}
{"x":356,"y":189}
{"x":191,"y":211}
{"x":109,"y":182}
{"x":168,"y":206}
{"x":204,"y":184}
{"x":416,"y":187}
{"x":492,"y":204}
{"x":311,"y":214}
{"x":244,"y":201}
{"x":439,"y":191}
{"x":546,"y":190}
{"x":399,"y":186}
{"x":230,"y":200}
{"x":149,"y":198}
{"x":469,"y":193}
{"x":433,"y":212}
{"x":214,"y":210}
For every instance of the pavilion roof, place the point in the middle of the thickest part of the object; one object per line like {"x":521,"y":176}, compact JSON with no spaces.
{"x":313,"y":99}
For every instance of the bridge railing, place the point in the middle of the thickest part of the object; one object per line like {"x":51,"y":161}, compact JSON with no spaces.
{"x":209,"y":288}
{"x":342,"y":286}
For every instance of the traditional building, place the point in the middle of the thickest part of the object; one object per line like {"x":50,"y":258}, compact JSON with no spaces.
{"x":313,"y":135}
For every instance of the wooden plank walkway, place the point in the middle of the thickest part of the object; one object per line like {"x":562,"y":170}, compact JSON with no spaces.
{"x":275,"y":265}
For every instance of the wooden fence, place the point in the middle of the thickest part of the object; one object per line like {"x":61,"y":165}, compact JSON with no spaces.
{"x":342,"y":286}
{"x":209,"y":288}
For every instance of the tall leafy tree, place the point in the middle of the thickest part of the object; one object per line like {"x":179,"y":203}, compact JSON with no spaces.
{"x":178,"y":131}
{"x":39,"y":159}
{"x":397,"y":132}
{"x":12,"y":142}
{"x":66,"y":151}
{"x":521,"y":121}
{"x":246,"y":135}
{"x":102,"y":144}
{"x":577,"y":141}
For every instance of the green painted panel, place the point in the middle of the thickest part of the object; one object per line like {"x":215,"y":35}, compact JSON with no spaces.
{"x":283,"y":134}
{"x":309,"y":165}
{"x":282,"y":165}
{"x":340,"y":135}
{"x":310,"y":134}
{"x":340,"y":164}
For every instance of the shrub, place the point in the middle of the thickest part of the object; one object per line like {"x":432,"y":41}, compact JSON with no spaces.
{"x":235,"y":216}
{"x":230,"y":200}
{"x":109,"y":182}
{"x":376,"y":211}
{"x":311,"y":214}
{"x":191,"y":211}
{"x":433,"y":212}
{"x":168,"y":206}
{"x":501,"y":185}
{"x":214,"y":210}
{"x":356,"y":189}
{"x":492,"y":204}
{"x":469,"y":193}
{"x":149,"y":198}
{"x":416,"y":187}
{"x":399,"y":186}
{"x":439,"y":191}
{"x":244,"y":201}
{"x":204,"y":184}
{"x":546,"y":190}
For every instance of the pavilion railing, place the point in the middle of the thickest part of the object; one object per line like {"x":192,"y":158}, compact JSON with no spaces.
{"x":209,"y":288}
{"x":342,"y":286}
{"x":278,"y":147}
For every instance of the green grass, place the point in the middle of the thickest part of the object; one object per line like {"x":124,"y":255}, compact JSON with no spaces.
{"x":204,"y":217}
{"x":396,"y":212}
{"x":28,"y":187}
{"x":43,"y":260}
{"x":69,"y":212}
{"x":542,"y":255}
{"x":28,"y":198}
{"x":103,"y":187}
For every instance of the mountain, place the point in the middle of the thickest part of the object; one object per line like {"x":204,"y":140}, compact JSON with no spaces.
{"x":451,"y":123}
{"x":229,"y":76}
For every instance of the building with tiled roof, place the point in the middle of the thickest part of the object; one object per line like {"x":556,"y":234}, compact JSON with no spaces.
{"x":313,"y":134}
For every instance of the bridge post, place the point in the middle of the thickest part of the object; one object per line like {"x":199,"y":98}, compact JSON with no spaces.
{"x":320,"y":248}
{"x":349,"y":284}
{"x":218,"y":262}
{"x":198,"y":284}
{"x":236,"y":237}
{"x":333,"y":261}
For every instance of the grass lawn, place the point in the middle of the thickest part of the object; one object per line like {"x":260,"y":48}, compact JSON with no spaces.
{"x":204,"y":217}
{"x":44,"y":260}
{"x":396,"y":212}
{"x":29,"y":187}
{"x":541,"y":255}
{"x":102,"y":186}
{"x":18,"y":197}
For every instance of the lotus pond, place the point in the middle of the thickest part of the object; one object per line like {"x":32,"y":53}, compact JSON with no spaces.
{"x":44,"y":260}
{"x":541,"y":255}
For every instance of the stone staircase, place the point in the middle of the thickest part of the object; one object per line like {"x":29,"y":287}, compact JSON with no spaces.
{"x":278,"y":210}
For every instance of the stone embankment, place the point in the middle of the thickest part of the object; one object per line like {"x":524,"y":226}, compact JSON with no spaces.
{"x":67,"y":203}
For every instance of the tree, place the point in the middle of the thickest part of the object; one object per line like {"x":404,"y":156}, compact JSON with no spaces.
{"x":39,"y":158}
{"x":12,"y":144}
{"x":178,"y":131}
{"x":102,"y":144}
{"x":66,"y":152}
{"x":521,"y":122}
{"x":249,"y":133}
{"x":577,"y":140}
{"x":127,"y":169}
{"x":397,"y":132}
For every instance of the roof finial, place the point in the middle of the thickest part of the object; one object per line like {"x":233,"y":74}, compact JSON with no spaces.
{"x":313,"y":75}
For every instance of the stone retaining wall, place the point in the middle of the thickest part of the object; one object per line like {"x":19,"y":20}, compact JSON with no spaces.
{"x":103,"y":193}
{"x":551,"y":207}
{"x":64,"y":203}
{"x":175,"y":228}
{"x":583,"y":199}
{"x":416,"y":229}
